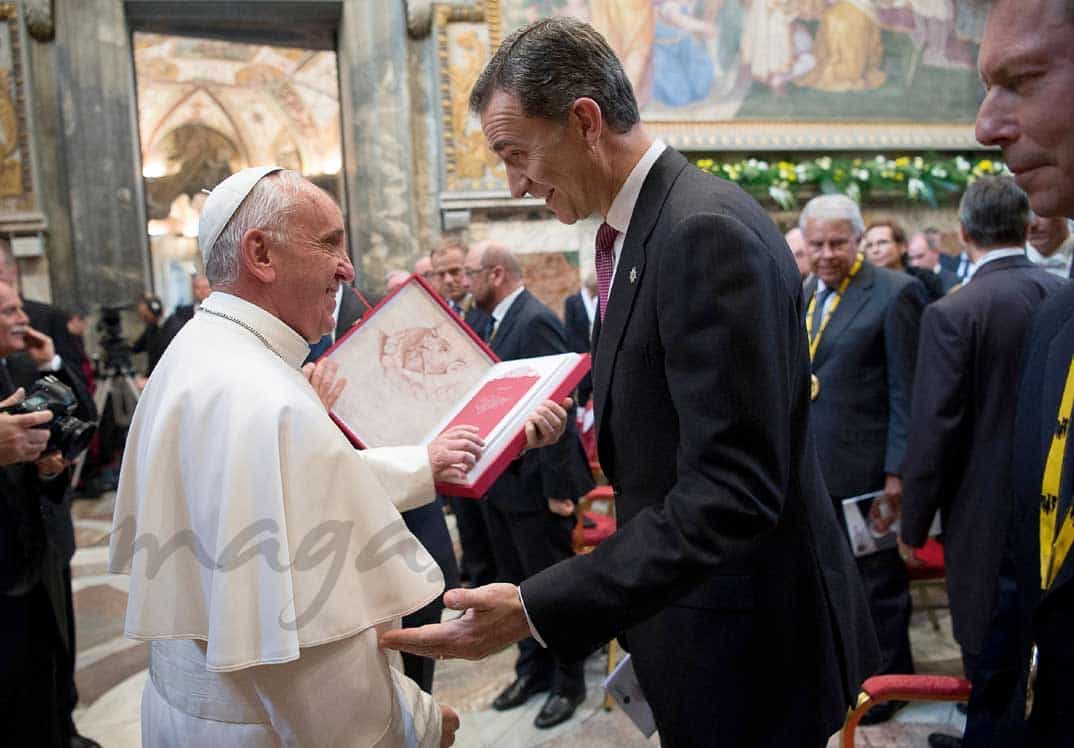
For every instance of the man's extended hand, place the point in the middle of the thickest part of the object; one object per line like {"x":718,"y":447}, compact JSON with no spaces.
{"x":19,"y":440}
{"x":322,"y":377}
{"x":546,"y":424}
{"x":494,"y":619}
{"x":454,"y":452}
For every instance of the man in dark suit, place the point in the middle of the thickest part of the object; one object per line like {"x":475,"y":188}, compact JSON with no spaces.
{"x":862,"y":327}
{"x":729,"y":579}
{"x":921,"y":254}
{"x":1028,"y":112}
{"x":579,"y":311}
{"x":958,"y":455}
{"x":529,"y":511}
{"x":199,"y":287}
{"x":36,"y":542}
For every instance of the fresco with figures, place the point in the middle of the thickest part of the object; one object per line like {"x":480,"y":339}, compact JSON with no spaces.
{"x":719,"y":60}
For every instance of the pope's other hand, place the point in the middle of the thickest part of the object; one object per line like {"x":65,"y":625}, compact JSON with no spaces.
{"x":454,"y":452}
{"x":493,"y":619}
{"x":449,"y":723}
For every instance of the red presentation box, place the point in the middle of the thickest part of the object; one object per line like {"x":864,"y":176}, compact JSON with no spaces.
{"x":415,"y":369}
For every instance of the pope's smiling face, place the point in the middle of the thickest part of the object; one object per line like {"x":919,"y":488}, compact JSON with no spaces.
{"x":313,"y":263}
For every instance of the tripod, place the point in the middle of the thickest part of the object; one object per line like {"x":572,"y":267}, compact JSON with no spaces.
{"x":115,"y":384}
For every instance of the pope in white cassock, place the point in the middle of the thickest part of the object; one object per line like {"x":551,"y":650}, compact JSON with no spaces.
{"x":266,"y":555}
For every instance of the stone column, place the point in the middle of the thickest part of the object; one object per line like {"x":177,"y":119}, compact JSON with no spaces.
{"x":378,"y":154}
{"x":101,"y":151}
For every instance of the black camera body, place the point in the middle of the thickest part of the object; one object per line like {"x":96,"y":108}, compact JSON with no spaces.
{"x":67,"y":434}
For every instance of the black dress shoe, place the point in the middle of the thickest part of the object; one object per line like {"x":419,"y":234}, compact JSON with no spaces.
{"x":939,"y":740}
{"x":558,"y":708}
{"x":518,"y":693}
{"x":881,"y":712}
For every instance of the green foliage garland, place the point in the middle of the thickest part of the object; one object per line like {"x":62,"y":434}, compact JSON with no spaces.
{"x":921,"y":179}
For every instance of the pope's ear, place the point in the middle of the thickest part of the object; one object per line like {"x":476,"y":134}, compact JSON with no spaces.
{"x":255,"y":255}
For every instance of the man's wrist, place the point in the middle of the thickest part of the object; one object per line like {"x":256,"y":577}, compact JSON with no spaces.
{"x":529,"y":621}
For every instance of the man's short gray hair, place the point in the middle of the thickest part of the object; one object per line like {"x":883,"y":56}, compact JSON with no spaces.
{"x":271,"y":201}
{"x":833,"y":208}
{"x":994,"y":212}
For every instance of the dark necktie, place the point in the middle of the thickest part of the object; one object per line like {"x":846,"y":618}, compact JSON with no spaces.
{"x":818,"y":312}
{"x":605,"y":262}
{"x":490,"y":330}
{"x":317,"y":349}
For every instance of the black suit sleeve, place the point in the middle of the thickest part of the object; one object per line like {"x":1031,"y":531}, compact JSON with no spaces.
{"x":901,"y":326}
{"x":564,"y":470}
{"x":722,"y":313}
{"x":939,"y":433}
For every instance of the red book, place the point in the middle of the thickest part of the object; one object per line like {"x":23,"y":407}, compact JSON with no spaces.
{"x":414,"y":369}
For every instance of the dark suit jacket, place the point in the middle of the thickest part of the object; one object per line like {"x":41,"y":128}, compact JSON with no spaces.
{"x":576,"y":321}
{"x":1047,"y":618}
{"x":559,"y":471}
{"x":729,"y":570}
{"x":865,"y":363}
{"x":958,"y":456}
{"x":184,"y":313}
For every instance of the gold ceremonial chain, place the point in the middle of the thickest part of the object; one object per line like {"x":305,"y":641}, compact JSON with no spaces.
{"x":1054,"y":546}
{"x":245,"y":326}
{"x":814,"y":343}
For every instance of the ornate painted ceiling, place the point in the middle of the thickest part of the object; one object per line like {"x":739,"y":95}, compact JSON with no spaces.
{"x":207,"y":108}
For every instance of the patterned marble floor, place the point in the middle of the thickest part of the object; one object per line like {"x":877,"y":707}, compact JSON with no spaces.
{"x":111,"y":672}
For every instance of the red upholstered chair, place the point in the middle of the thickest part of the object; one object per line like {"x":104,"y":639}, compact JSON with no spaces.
{"x":881,"y":688}
{"x":926,"y":573}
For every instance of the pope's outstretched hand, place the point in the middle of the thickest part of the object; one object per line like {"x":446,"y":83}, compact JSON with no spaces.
{"x":493,"y":619}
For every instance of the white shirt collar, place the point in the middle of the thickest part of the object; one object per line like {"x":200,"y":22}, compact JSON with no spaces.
{"x":501,"y":309}
{"x":1060,"y":258}
{"x":282,"y":340}
{"x":990,"y":256}
{"x":622,"y":207}
{"x":589,"y":301}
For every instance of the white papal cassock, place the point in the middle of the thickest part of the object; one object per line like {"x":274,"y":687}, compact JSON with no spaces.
{"x":265,"y":553}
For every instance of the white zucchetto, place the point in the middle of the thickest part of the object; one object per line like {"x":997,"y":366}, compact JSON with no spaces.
{"x":224,"y":200}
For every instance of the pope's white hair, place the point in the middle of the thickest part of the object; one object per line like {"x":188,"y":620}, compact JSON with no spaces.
{"x":266,"y":207}
{"x":833,"y":208}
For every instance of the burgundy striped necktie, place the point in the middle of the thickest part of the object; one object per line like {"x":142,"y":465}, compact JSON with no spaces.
{"x":605,"y":262}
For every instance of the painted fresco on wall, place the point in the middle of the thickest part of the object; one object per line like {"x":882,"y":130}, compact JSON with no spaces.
{"x":18,"y":204}
{"x":748,"y":75}
{"x":855,"y":60}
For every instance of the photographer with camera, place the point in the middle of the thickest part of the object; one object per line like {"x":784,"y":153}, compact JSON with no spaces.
{"x":38,"y":438}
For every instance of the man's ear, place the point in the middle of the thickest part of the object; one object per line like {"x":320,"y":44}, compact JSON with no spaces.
{"x":590,"y":119}
{"x":256,"y":257}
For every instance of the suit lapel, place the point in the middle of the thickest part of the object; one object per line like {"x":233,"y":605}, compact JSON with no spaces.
{"x":854,"y":300}
{"x":507,"y":324}
{"x":629,"y":275}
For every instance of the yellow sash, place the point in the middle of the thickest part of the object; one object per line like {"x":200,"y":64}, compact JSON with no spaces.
{"x":1055,"y":546}
{"x":814,"y":343}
